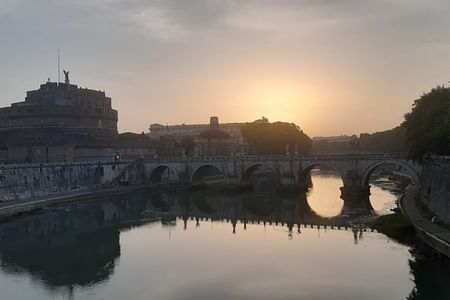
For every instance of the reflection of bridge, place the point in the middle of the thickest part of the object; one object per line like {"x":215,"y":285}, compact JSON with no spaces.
{"x":354,"y":168}
{"x":249,"y":208}
{"x":72,"y":244}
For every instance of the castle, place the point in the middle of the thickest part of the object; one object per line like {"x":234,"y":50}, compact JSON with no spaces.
{"x":58,"y":122}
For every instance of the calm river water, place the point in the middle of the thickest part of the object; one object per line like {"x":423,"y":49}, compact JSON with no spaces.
{"x":207,"y":245}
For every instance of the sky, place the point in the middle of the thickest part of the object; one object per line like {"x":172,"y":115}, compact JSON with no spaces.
{"x":332,"y":67}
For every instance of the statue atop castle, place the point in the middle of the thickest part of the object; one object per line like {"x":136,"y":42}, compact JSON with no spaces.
{"x":66,"y":77}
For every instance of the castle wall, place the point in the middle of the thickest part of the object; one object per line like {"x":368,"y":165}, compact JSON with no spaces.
{"x":54,"y":121}
{"x":64,"y":117}
{"x":38,"y":153}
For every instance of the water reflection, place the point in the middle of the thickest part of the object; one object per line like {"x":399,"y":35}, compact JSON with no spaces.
{"x":247,"y":246}
{"x":79,"y":244}
{"x":431,"y":277}
{"x":324,"y":195}
{"x":384,"y":193}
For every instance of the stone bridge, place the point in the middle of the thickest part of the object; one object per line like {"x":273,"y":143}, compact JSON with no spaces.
{"x":293,"y":170}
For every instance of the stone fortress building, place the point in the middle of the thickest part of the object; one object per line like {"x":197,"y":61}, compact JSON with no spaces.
{"x":57,"y":122}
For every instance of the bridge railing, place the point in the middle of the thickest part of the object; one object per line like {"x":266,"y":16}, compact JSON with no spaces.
{"x":334,"y":156}
{"x":437,"y":158}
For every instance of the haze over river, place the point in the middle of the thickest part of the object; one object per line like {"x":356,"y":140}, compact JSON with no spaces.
{"x":205,"y":245}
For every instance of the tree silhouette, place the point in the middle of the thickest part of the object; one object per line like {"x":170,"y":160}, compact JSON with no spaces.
{"x":428,"y":124}
{"x":272,"y":138}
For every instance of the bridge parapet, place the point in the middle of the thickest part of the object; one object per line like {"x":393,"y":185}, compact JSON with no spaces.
{"x":318,"y":156}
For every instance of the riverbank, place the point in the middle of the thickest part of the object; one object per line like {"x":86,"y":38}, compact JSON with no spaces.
{"x":413,"y":224}
{"x":16,"y":209}
{"x":434,"y":235}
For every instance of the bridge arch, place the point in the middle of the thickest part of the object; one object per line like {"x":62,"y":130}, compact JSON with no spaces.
{"x":261,"y":206}
{"x":205,"y":170}
{"x":415,"y":177}
{"x":249,"y":169}
{"x":205,"y":204}
{"x":156,"y":174}
{"x":303,"y":173}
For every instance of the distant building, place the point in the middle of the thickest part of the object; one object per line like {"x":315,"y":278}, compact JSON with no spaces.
{"x":192,"y":131}
{"x":214,"y":141}
{"x":168,"y":146}
{"x":55,"y":122}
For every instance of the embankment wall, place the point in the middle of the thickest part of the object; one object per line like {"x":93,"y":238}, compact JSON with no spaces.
{"x":34,"y":181}
{"x":435,"y":187}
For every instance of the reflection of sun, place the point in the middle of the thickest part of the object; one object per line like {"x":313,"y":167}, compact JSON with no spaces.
{"x":324,"y":197}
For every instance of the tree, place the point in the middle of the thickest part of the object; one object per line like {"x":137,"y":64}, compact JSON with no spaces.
{"x":272,"y":138}
{"x":428,"y":124}
{"x":392,"y":140}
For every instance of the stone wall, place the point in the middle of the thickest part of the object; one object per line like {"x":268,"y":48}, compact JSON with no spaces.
{"x":36,"y":181}
{"x":435,"y":189}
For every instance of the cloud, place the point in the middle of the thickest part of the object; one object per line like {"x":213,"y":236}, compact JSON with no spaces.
{"x":173,"y":48}
{"x":165,"y":19}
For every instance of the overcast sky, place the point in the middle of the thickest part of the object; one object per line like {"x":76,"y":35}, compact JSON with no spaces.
{"x":333,"y":67}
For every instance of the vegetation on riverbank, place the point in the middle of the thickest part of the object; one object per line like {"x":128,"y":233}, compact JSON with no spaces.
{"x":395,"y":226}
{"x":428,"y":124}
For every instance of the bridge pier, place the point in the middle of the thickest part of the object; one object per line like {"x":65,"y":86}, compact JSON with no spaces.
{"x":305,"y":182}
{"x":356,"y":197}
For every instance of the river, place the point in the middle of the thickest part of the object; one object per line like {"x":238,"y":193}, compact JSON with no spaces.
{"x":210,"y":245}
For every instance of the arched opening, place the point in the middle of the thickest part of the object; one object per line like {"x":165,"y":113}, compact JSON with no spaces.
{"x":261,"y":177}
{"x":205,"y":203}
{"x":321,"y":184}
{"x":207,"y":175}
{"x":261,"y":205}
{"x":398,"y":169}
{"x":163,"y":174}
{"x":162,"y":202}
{"x":387,"y":181}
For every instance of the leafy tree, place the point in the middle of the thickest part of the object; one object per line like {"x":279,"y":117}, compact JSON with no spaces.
{"x":127,"y":139}
{"x":428,"y":124}
{"x":392,"y":140}
{"x":272,"y":138}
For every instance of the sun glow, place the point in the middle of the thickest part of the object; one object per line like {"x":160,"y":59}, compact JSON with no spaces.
{"x":277,"y":101}
{"x":289,"y":101}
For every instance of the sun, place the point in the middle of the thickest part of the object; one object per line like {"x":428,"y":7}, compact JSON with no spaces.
{"x":277,"y":101}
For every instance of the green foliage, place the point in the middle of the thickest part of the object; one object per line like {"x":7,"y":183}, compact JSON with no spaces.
{"x":428,"y":124}
{"x":272,"y":138}
{"x":129,"y":139}
{"x":393,"y":140}
{"x":130,"y":136}
{"x":395,"y":226}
